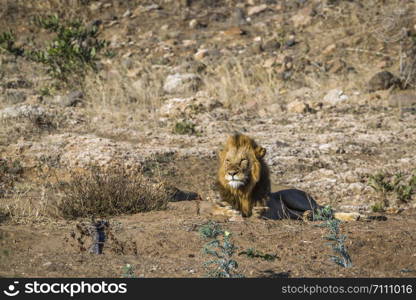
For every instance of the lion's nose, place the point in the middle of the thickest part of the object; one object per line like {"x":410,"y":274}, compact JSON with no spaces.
{"x":232,"y":173}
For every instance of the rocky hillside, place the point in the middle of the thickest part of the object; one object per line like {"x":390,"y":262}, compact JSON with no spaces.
{"x":155,"y":86}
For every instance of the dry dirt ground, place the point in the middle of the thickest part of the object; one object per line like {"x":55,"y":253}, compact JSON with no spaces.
{"x":295,"y":75}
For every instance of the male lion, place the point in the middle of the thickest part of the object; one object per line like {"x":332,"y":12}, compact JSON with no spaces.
{"x":244,"y":183}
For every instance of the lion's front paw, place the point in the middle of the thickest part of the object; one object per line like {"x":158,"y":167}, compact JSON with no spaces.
{"x":260,"y":211}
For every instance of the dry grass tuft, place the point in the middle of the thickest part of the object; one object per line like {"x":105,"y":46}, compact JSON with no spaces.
{"x":233,"y":83}
{"x":101,"y":194}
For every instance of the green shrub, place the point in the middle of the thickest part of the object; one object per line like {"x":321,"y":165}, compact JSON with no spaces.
{"x":222,"y":248}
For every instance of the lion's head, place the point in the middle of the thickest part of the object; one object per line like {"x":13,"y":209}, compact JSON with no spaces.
{"x":243,"y":176}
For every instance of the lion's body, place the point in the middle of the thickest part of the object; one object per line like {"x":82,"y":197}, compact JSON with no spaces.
{"x":244,"y":183}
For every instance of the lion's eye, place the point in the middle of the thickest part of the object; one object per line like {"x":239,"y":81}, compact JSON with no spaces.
{"x":243,"y":161}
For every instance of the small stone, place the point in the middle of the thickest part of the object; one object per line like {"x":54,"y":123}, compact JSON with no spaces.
{"x":234,"y":31}
{"x":382,"y":81}
{"x":193,"y":24}
{"x":71,"y":99}
{"x":152,"y":7}
{"x":402,"y":99}
{"x":331,"y":48}
{"x":178,"y":83}
{"x":18,"y":111}
{"x":290,"y":43}
{"x":271,"y":45}
{"x":15,"y":96}
{"x":47,"y":264}
{"x":256,"y":48}
{"x":302,"y":18}
{"x":356,"y":187}
{"x":298,"y":106}
{"x":201,"y":53}
{"x":238,"y":17}
{"x":127,"y":13}
{"x":334,"y":97}
{"x":256,"y":9}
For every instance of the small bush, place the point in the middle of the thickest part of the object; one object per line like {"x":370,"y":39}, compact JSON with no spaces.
{"x":7,"y":43}
{"x":210,"y":230}
{"x":342,"y":258}
{"x":74,"y":48}
{"x":253,"y":253}
{"x":184,"y":127}
{"x":397,"y":185}
{"x":129,"y":271}
{"x":100,"y":194}
{"x":70,"y":54}
{"x":222,"y":248}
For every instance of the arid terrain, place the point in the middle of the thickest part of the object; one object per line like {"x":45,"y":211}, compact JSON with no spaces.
{"x":142,"y":94}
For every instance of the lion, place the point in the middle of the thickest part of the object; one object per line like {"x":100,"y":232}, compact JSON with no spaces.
{"x":244,"y":183}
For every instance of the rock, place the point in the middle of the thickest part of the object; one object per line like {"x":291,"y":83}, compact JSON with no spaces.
{"x":71,"y":99}
{"x":334,"y":97}
{"x":15,"y":96}
{"x":402,"y":99}
{"x":271,"y":45}
{"x":302,"y":18}
{"x":290,"y":43}
{"x":176,"y":107}
{"x":382,"y":81}
{"x":234,"y":31}
{"x":26,"y":110}
{"x":256,"y":48}
{"x":95,"y":6}
{"x":356,"y":187}
{"x":193,"y":24}
{"x":18,"y":83}
{"x":254,"y":10}
{"x":298,"y":106}
{"x":179,"y":83}
{"x":329,"y":49}
{"x":238,"y":17}
{"x":127,"y":13}
{"x":201,"y":53}
{"x":152,"y":7}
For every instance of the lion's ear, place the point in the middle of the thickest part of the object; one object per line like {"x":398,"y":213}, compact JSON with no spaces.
{"x":260,"y":152}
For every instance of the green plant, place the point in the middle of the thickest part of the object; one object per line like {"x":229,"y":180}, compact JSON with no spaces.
{"x":338,"y":245}
{"x":323,"y":214}
{"x":395,"y":184}
{"x":210,"y":230}
{"x":338,"y":240}
{"x":128,"y":271}
{"x":74,"y":48}
{"x":222,"y":248}
{"x":378,"y":207}
{"x":184,"y":127}
{"x":7,"y":43}
{"x":253,"y":253}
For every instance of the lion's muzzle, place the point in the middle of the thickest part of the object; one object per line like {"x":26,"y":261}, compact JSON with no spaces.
{"x":235,"y":179}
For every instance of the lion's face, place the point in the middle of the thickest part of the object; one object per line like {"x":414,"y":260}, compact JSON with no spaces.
{"x":240,"y":167}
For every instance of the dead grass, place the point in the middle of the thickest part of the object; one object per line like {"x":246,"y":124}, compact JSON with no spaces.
{"x":11,"y":129}
{"x":102,"y":194}
{"x":234,"y":83}
{"x":124,"y":96}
